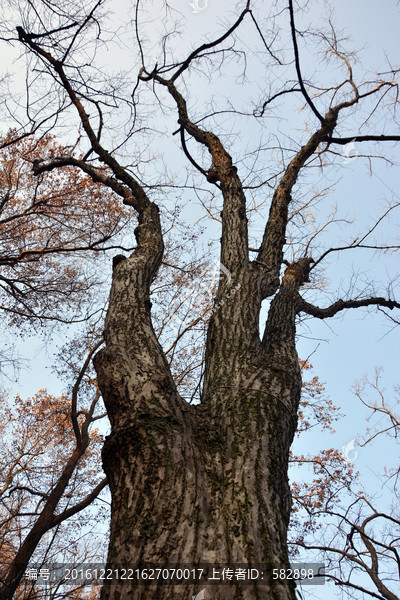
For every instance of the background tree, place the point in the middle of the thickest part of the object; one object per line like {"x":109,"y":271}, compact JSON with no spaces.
{"x":208,"y":481}
{"x":360,"y":542}
{"x":47,"y":225}
{"x":49,"y":474}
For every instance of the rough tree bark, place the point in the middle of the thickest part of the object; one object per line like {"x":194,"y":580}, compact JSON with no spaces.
{"x":205,"y":483}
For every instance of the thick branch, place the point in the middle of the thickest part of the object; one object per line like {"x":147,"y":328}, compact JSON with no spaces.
{"x":234,"y":243}
{"x":279,"y":332}
{"x":271,"y":250}
{"x":339,"y":305}
{"x":81,"y":434}
{"x":96,"y":174}
{"x":364,"y":138}
{"x":139,"y":198}
{"x":70,"y":512}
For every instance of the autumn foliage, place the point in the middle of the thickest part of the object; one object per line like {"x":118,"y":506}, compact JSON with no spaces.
{"x":50,"y":473}
{"x":47,"y":222}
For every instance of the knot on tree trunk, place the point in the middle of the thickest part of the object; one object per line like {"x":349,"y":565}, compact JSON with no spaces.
{"x":298,"y":272}
{"x":221,"y":160}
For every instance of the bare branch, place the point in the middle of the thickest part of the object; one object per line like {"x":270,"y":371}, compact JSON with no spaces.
{"x":297,"y":62}
{"x":339,"y":305}
{"x":70,"y":512}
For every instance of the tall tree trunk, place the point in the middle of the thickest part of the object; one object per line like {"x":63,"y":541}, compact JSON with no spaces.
{"x":205,"y":483}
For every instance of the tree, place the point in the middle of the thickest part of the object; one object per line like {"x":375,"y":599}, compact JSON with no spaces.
{"x":47,"y":225}
{"x":207,"y":482}
{"x":361,"y":549}
{"x":49,"y":473}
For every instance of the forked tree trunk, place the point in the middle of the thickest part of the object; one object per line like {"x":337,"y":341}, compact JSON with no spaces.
{"x":205,"y":483}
